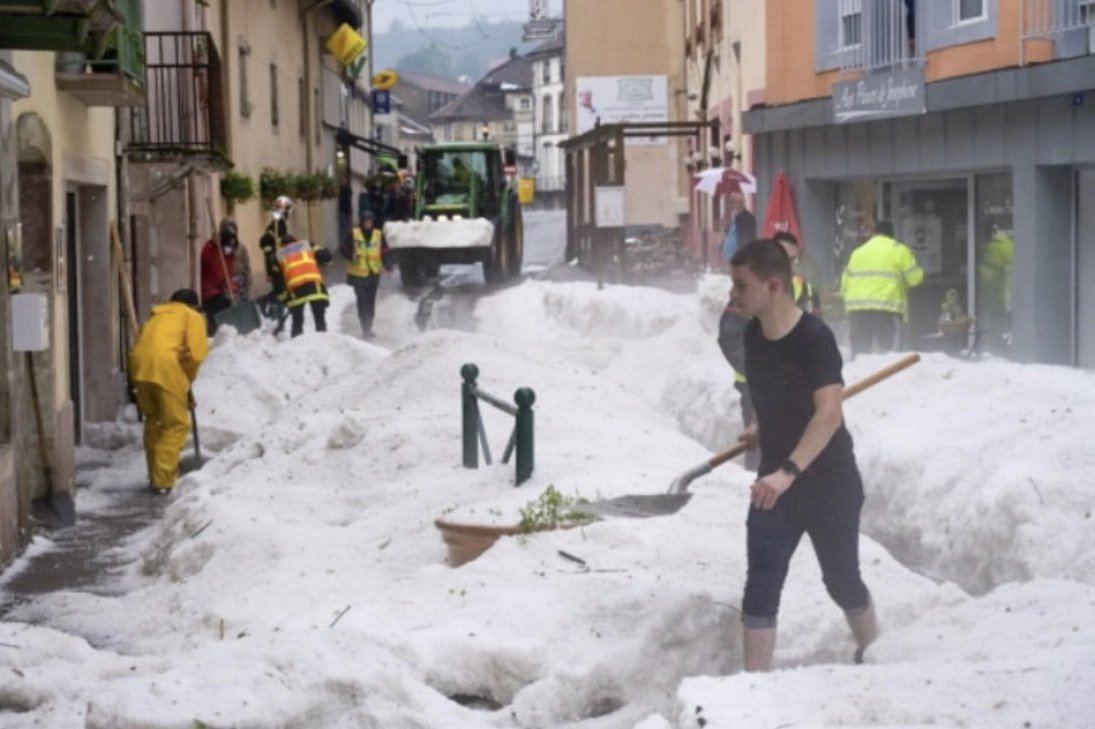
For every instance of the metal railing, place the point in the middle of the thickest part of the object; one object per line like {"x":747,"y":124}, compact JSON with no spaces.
{"x":1046,"y":18}
{"x":184,"y":112}
{"x":880,"y":35}
{"x":1070,"y":24}
{"x":473,"y":433}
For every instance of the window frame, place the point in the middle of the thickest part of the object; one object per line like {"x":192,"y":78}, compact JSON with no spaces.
{"x":959,"y":20}
{"x":244,"y":52}
{"x":849,"y":9}
{"x":274,"y":110}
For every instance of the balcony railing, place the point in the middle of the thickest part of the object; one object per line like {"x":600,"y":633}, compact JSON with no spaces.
{"x":1069,"y":23}
{"x":880,"y":35}
{"x":184,"y":115}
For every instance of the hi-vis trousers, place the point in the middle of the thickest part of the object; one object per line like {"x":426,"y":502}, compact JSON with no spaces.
{"x":166,"y":426}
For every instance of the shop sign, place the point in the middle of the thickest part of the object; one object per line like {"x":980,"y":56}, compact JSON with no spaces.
{"x":879,"y":97}
{"x":609,"y":203}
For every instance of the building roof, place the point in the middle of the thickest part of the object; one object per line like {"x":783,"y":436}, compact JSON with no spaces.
{"x":516,"y":71}
{"x":550,"y":47}
{"x":487,"y":99}
{"x":432,"y":83}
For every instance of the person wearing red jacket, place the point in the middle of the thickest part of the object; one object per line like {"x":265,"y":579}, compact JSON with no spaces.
{"x":218,"y":261}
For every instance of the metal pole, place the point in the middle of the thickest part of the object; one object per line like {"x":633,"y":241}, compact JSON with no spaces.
{"x":524,"y":397}
{"x":470,"y":416}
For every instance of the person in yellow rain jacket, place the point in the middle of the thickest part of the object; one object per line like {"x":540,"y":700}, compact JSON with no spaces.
{"x":163,"y":364}
{"x":299,"y":262}
{"x":875,"y":287}
{"x":363,"y":270}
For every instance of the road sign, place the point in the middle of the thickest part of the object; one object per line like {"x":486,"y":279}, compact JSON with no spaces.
{"x":382,"y":102}
{"x":510,"y":170}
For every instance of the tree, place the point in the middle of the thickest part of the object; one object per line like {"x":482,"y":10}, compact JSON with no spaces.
{"x":430,"y":60}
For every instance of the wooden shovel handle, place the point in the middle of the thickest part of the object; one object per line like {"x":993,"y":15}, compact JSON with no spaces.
{"x":904,"y":363}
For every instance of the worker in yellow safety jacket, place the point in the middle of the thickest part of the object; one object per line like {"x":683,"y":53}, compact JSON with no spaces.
{"x":364,"y":269}
{"x":875,"y":288}
{"x":299,"y":262}
{"x":162,"y":365}
{"x":994,"y":274}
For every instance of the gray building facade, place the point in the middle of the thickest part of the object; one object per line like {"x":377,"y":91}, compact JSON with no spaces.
{"x":992,"y":184}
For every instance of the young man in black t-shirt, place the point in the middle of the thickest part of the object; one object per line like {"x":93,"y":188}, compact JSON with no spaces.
{"x":809,"y":482}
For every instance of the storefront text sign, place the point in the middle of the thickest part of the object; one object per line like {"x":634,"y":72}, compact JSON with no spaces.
{"x":879,"y":97}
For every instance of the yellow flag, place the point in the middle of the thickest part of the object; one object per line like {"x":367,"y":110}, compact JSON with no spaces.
{"x":346,"y":44}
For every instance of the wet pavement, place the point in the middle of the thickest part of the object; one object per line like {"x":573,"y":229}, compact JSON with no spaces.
{"x":84,"y":557}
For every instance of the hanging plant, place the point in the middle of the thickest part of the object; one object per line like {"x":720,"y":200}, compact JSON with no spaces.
{"x":314,"y":186}
{"x":330,"y":187}
{"x":274,"y":182}
{"x":236,"y":188}
{"x":309,"y":187}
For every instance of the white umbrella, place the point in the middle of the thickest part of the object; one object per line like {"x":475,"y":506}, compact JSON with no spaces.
{"x":723,"y":180}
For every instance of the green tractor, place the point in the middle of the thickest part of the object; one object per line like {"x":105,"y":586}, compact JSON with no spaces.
{"x":466,"y":211}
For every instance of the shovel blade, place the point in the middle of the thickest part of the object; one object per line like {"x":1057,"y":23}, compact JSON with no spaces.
{"x":637,"y":506}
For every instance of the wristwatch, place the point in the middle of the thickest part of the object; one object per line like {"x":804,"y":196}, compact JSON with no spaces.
{"x":790,"y":467}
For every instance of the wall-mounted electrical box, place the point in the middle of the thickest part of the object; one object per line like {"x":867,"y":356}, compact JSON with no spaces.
{"x":29,"y":322}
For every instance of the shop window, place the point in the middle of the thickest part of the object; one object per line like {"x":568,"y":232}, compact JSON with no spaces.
{"x":856,"y":203}
{"x":994,"y":258}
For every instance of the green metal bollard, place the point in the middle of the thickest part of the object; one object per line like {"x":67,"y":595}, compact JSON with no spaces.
{"x":469,"y":416}
{"x":524,"y":397}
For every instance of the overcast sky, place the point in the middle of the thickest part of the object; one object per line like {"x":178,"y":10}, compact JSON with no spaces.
{"x":433,"y":13}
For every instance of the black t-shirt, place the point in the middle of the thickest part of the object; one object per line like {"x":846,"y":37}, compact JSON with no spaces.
{"x":783,"y":375}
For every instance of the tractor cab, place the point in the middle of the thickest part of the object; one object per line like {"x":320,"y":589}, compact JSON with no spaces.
{"x":463,"y":180}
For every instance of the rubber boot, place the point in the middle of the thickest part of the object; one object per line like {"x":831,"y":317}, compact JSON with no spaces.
{"x":864,"y":625}
{"x":759,"y":645}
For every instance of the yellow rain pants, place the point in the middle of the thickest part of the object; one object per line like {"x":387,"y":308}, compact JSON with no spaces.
{"x":166,"y":426}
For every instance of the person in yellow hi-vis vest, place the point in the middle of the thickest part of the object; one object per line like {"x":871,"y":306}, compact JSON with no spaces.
{"x":162,"y":365}
{"x":875,"y":287}
{"x":299,"y":262}
{"x":364,"y":269}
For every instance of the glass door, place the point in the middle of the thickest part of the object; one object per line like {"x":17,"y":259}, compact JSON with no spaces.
{"x":994,"y":260}
{"x":932,"y":217}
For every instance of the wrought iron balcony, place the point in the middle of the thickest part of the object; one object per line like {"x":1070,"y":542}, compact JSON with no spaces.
{"x":184,"y":116}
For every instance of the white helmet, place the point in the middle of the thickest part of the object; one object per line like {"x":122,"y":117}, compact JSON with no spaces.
{"x":283,"y":206}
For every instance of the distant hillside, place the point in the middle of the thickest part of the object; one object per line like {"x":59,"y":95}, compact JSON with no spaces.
{"x":448,"y":52}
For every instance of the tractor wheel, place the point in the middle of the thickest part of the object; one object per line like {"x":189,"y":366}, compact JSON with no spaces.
{"x":517,"y":244}
{"x":496,"y":268}
{"x":410,"y":272}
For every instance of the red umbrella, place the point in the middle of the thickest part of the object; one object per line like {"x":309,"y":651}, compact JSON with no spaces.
{"x":781,"y":211}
